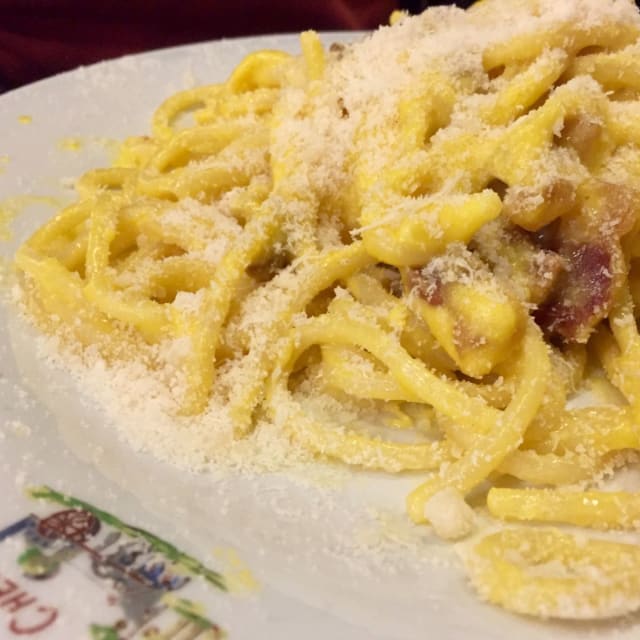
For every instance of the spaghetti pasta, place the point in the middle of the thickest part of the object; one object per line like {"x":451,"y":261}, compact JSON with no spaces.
{"x":438,"y":226}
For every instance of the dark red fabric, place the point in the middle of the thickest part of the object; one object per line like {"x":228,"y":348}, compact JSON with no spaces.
{"x":42,"y":37}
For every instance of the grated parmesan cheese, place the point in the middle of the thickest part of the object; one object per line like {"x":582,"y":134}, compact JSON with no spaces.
{"x":451,"y":517}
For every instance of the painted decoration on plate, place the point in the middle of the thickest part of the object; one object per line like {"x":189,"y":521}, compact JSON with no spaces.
{"x":77,"y":571}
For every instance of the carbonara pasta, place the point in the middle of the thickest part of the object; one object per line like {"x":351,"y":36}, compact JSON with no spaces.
{"x":434,"y":230}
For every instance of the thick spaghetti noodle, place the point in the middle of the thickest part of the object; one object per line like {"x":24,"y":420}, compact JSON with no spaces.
{"x":437,"y":226}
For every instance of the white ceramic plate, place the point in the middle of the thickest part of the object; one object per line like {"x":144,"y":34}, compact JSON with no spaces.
{"x":298,"y":560}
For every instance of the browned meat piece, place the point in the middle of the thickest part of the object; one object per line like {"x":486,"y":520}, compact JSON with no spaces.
{"x":588,"y":240}
{"x":584,"y":293}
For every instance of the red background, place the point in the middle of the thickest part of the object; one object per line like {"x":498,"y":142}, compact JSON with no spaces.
{"x":42,"y":37}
